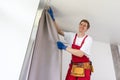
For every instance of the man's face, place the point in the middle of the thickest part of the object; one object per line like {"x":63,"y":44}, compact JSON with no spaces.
{"x":83,"y":27}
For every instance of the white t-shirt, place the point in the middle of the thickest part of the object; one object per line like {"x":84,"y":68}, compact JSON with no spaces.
{"x":69,"y":37}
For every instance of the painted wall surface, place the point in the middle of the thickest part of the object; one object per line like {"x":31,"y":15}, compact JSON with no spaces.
{"x":102,"y":61}
{"x":16,"y":22}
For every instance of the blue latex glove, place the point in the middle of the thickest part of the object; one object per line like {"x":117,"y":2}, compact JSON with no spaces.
{"x":51,"y":13}
{"x":61,"y":46}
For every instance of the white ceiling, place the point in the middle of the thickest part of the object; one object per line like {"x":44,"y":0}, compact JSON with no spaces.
{"x":102,"y":14}
{"x":104,"y":17}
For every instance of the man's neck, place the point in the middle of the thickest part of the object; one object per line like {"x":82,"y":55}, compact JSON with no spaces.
{"x":80,"y":34}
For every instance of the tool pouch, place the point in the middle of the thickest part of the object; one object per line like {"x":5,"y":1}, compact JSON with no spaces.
{"x":91,"y":67}
{"x":77,"y":71}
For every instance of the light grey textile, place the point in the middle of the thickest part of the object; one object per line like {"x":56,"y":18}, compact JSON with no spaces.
{"x":46,"y":58}
{"x":116,"y":60}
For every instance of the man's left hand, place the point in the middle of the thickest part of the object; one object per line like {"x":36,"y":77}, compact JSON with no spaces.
{"x":61,"y":46}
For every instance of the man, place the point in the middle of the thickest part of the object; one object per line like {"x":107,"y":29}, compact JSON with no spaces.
{"x":80,"y":67}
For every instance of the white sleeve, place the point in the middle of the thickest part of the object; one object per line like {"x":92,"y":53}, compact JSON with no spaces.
{"x":69,"y":36}
{"x":86,"y":47}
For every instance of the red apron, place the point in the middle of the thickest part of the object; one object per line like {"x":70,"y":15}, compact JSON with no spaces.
{"x":78,"y":59}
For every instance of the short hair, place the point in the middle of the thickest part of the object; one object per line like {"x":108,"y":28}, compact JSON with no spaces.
{"x":86,"y":21}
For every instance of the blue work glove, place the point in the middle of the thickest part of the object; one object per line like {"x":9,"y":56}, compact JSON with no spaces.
{"x":61,"y":46}
{"x":51,"y":13}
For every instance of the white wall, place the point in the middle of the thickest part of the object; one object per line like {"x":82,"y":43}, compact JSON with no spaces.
{"x":16,"y":22}
{"x":102,"y":61}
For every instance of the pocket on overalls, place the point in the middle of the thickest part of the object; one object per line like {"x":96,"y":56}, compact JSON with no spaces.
{"x":91,"y":67}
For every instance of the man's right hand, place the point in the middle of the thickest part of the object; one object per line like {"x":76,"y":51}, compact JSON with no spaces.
{"x":51,"y":13}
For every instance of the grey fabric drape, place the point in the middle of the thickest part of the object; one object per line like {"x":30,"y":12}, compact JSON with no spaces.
{"x":46,"y":58}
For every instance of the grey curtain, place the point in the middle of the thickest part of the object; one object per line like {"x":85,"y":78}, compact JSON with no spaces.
{"x":46,"y":58}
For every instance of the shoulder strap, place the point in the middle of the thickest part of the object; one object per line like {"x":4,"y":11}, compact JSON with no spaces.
{"x":83,"y":40}
{"x":75,"y":39}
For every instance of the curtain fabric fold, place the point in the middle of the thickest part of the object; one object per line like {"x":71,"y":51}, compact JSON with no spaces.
{"x":46,"y":58}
